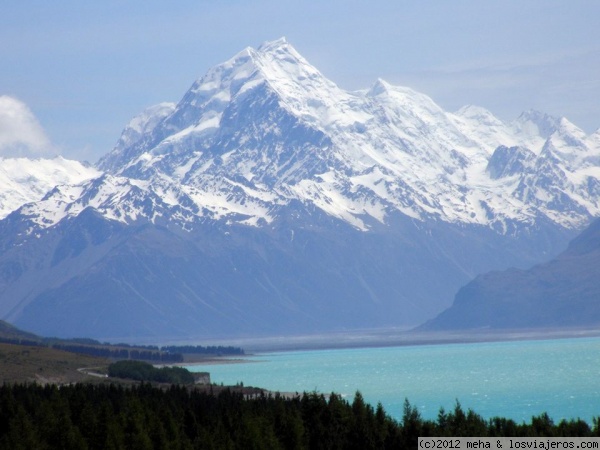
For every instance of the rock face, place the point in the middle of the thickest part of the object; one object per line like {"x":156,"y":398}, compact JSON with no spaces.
{"x":510,"y":161}
{"x":564,"y":292}
{"x":270,"y":201}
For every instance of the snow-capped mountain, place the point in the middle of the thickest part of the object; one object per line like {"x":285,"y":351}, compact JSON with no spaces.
{"x":24,"y":180}
{"x":268,"y":125}
{"x":294,"y":206}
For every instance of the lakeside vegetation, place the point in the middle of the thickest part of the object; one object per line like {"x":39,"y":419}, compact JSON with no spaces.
{"x":86,"y":416}
{"x":143,"y":371}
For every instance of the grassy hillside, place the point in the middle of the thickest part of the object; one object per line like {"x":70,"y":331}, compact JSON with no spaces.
{"x":22,"y":363}
{"x":26,"y":357}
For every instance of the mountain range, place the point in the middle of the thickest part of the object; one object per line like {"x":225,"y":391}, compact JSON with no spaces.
{"x":270,"y":201}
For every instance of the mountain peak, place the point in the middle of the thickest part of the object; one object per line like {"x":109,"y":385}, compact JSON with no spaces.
{"x":479,"y":115}
{"x":534,"y":122}
{"x":280,"y":61}
{"x":379,"y":87}
{"x":473,"y":111}
{"x":276,"y":62}
{"x":275,"y":45}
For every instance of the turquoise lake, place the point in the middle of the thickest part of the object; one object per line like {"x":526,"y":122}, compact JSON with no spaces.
{"x":515,"y":379}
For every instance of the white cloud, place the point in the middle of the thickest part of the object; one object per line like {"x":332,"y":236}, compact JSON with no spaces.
{"x":20,"y":132}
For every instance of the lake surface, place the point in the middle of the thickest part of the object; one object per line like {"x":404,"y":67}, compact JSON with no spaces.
{"x":509,"y":379}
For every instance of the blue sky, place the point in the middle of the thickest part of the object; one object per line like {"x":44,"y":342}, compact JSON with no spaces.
{"x":85,"y":68}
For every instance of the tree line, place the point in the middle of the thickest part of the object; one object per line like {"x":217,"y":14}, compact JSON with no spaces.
{"x":154,"y":353}
{"x":217,"y":350}
{"x":92,"y":347}
{"x":121,"y":353}
{"x":19,"y":341}
{"x":86,"y":416}
{"x":143,"y":371}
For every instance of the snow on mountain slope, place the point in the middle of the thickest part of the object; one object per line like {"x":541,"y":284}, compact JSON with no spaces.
{"x":138,"y":127}
{"x":269,"y":126}
{"x":536,"y":125}
{"x":24,"y":180}
{"x":120,"y":199}
{"x":488,"y":131}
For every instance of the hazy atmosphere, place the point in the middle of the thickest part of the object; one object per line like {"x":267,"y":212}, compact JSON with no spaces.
{"x":85,"y":68}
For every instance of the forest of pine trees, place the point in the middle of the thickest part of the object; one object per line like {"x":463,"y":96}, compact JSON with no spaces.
{"x":87,"y":416}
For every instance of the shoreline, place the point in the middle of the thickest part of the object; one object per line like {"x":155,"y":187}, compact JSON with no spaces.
{"x":383,"y":338}
{"x":214,"y":361}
